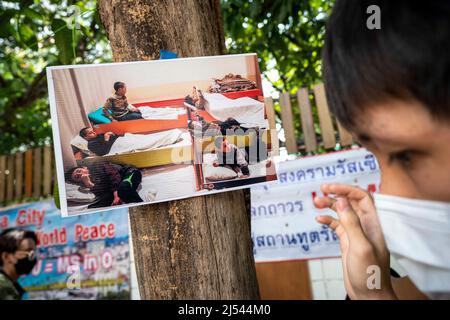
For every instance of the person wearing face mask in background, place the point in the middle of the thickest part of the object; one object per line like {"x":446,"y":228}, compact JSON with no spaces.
{"x":17,"y":258}
{"x":390,"y":87}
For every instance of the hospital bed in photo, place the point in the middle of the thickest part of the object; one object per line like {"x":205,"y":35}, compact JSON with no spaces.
{"x":148,"y":125}
{"x":177,"y":151}
{"x":214,"y":178}
{"x":241,"y":140}
{"x":158,"y":184}
{"x":142,"y":126}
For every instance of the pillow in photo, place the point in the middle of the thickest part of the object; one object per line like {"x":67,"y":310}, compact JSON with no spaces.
{"x":218,"y":173}
{"x":75,"y":193}
{"x":80,"y":143}
{"x":209,"y":158}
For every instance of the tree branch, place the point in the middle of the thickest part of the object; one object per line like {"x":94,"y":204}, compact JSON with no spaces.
{"x":36,"y":90}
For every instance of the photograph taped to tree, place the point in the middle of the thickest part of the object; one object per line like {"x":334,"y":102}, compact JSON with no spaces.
{"x":136,"y":133}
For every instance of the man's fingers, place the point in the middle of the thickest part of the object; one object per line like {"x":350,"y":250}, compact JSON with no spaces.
{"x":344,"y":190}
{"x":349,"y":220}
{"x":329,"y":221}
{"x":325,"y":202}
{"x":333,"y":223}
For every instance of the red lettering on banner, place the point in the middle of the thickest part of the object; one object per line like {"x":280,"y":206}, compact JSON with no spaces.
{"x":95,"y":232}
{"x":63,"y":263}
{"x":30,"y":217}
{"x":107,"y":259}
{"x":372,"y":188}
{"x":48,"y":267}
{"x":52,"y":238}
{"x":314,"y":195}
{"x":4,"y":222}
{"x":90,"y":263}
{"x":37,"y":268}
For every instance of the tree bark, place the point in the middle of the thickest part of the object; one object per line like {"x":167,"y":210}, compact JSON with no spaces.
{"x":197,"y":248}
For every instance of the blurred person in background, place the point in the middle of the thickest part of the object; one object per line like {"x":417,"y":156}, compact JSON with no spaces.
{"x":17,"y":258}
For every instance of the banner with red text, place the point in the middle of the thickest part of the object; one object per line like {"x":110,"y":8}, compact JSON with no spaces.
{"x":82,"y":257}
{"x":283,"y":213}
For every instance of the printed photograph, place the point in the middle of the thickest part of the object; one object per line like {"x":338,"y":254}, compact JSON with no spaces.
{"x":144,"y":132}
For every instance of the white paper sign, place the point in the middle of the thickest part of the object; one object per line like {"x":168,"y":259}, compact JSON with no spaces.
{"x":283,"y":213}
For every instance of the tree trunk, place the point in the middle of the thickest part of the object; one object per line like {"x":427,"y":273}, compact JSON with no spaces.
{"x":198,"y":248}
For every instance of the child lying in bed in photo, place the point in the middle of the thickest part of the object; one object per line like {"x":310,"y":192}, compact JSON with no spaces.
{"x":228,"y":155}
{"x":112,"y":184}
{"x":110,"y":143}
{"x":100,"y":144}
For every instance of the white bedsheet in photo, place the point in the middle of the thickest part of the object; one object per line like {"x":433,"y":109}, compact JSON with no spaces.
{"x":165,"y":113}
{"x":157,"y":184}
{"x":249,"y":112}
{"x":138,"y":142}
{"x":168,"y":183}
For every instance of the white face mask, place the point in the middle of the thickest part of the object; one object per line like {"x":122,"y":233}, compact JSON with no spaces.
{"x":417,"y":233}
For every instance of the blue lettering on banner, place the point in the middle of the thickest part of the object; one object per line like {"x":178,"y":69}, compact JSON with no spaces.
{"x":340,"y":167}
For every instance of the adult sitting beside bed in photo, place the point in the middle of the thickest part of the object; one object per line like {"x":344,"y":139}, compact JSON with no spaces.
{"x":231,"y":127}
{"x":212,"y":129}
{"x":230,"y":156}
{"x":112,"y":184}
{"x":117,"y":107}
{"x":99,"y":144}
{"x":195,"y":100}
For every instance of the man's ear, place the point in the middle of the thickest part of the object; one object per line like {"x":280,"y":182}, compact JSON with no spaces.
{"x":7,"y":258}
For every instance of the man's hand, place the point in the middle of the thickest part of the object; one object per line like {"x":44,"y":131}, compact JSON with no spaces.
{"x":116,"y":200}
{"x":361,"y":240}
{"x":133,"y":108}
{"x":108,"y":135}
{"x":87,"y":181}
{"x":216,"y":163}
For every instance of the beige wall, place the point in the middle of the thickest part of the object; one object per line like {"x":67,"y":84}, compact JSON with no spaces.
{"x":163,"y":80}
{"x":70,"y":116}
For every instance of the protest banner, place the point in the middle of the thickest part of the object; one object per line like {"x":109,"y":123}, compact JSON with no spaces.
{"x":283,"y":213}
{"x":82,"y":257}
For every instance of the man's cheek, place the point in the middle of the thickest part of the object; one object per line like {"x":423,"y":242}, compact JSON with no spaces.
{"x":430,"y":183}
{"x":396,"y":181}
{"x":12,"y":259}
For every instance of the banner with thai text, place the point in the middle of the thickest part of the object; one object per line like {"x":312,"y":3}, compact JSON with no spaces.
{"x":283,"y":213}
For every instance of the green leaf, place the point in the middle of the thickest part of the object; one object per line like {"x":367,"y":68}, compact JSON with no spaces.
{"x":27,"y":35}
{"x":5,"y":25}
{"x":32,"y":14}
{"x":63,"y":41}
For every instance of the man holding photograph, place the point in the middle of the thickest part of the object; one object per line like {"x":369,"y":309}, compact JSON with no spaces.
{"x":390,"y":88}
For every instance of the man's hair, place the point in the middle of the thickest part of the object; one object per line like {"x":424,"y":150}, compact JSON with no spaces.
{"x":11,"y":238}
{"x":68,"y":174}
{"x":407,"y":59}
{"x":83,"y":132}
{"x":118,"y":85}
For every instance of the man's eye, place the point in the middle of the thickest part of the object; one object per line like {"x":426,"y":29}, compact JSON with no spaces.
{"x":402,"y":157}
